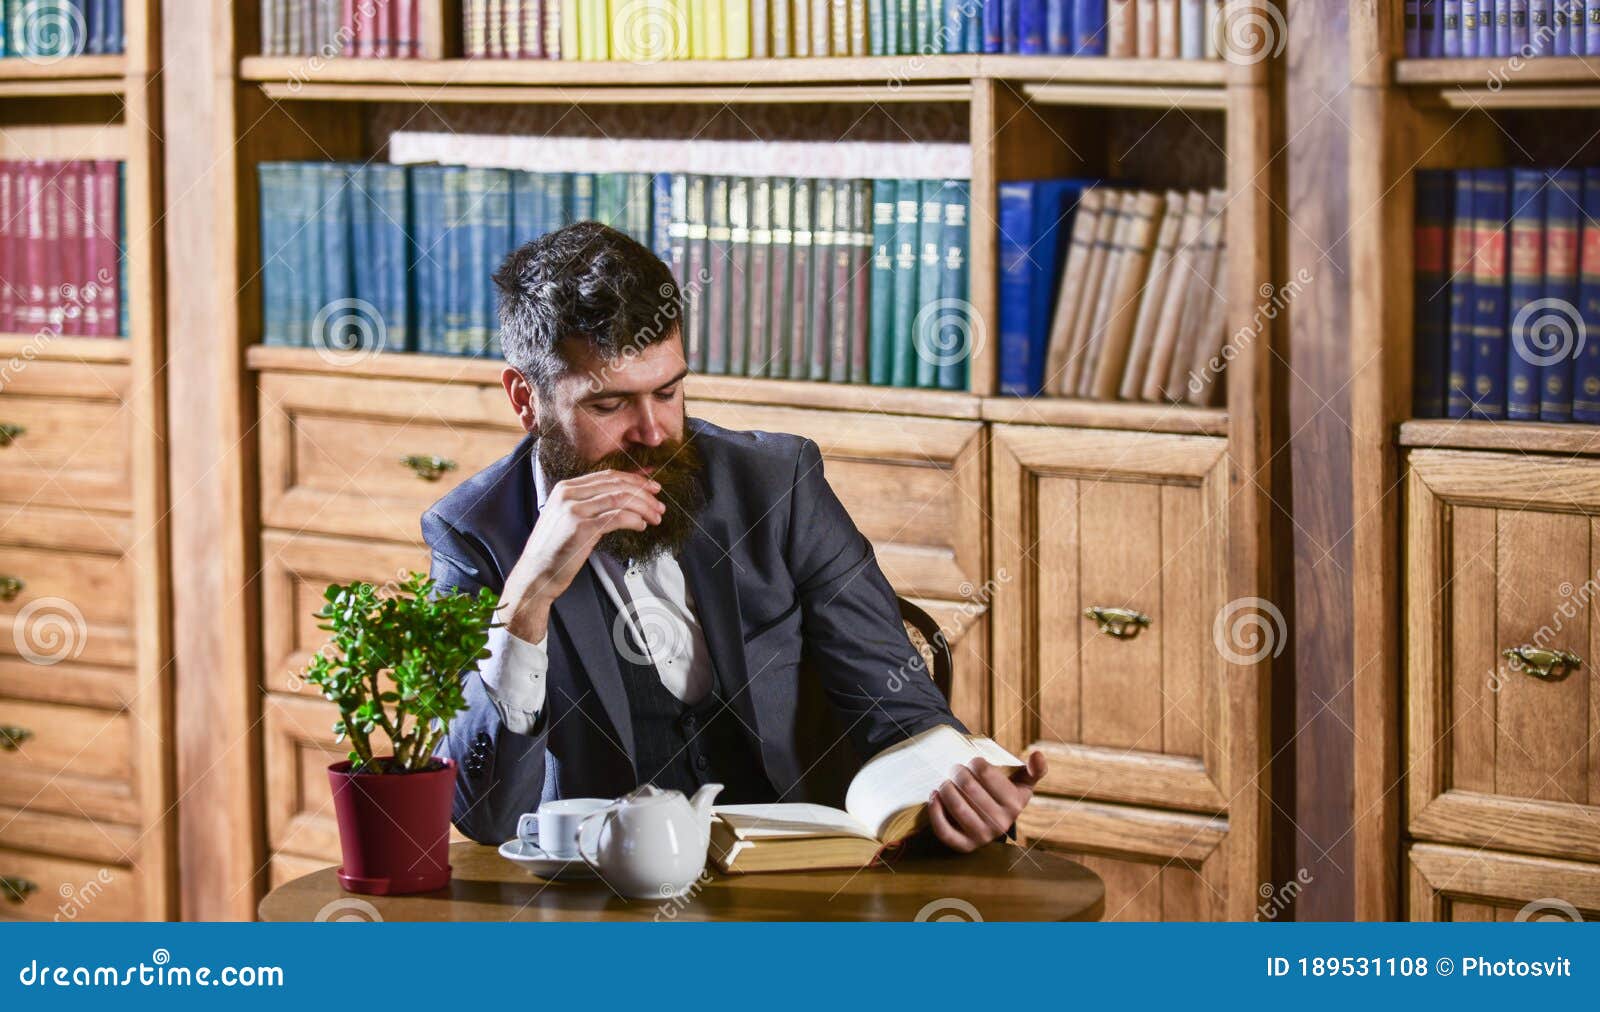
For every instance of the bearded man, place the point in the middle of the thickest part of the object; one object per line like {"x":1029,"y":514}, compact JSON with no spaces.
{"x":682,"y":604}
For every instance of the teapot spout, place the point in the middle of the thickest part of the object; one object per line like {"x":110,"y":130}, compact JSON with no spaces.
{"x":702,"y":801}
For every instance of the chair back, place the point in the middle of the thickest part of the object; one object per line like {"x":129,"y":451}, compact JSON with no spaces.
{"x":930,"y":642}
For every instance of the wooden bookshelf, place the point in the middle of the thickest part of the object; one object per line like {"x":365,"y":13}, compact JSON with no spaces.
{"x":95,"y":532}
{"x":306,"y":441}
{"x":1466,"y":530}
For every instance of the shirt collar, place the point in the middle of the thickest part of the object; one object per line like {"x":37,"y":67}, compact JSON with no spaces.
{"x":541,"y":484}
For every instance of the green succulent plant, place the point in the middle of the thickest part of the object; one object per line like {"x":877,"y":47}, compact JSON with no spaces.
{"x":395,"y":663}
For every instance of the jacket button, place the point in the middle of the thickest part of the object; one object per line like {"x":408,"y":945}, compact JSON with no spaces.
{"x":702,"y":763}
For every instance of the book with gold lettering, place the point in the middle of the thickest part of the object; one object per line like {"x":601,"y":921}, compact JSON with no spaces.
{"x":885,"y":803}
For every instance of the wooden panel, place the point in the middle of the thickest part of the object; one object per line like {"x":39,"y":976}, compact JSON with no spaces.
{"x":1455,"y":883}
{"x":332,"y":449}
{"x":1502,"y":555}
{"x":1117,"y":520}
{"x":75,"y":447}
{"x":1148,"y":890}
{"x":69,"y":890}
{"x":295,"y":570}
{"x":75,"y":761}
{"x":72,"y":606}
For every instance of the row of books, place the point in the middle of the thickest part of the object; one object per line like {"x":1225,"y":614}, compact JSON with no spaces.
{"x":1111,"y":293}
{"x":847,"y":280}
{"x":653,"y":30}
{"x":328,"y":28}
{"x":61,"y":240}
{"x":1507,"y":298}
{"x":1450,"y":28}
{"x":49,"y":29}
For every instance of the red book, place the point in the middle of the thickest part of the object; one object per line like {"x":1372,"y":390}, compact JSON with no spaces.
{"x":496,"y":31}
{"x":70,"y":279}
{"x":347,"y":27}
{"x":8,"y":264}
{"x":31,"y":315}
{"x":366,"y":27}
{"x":532,"y":33}
{"x":108,"y":258}
{"x":49,"y":245}
{"x":405,"y":31}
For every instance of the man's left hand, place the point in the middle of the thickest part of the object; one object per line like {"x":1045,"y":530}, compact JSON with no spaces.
{"x":981,"y":801}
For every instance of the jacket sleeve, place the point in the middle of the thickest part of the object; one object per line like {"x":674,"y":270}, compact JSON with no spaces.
{"x":500,"y":773}
{"x":872,"y":675}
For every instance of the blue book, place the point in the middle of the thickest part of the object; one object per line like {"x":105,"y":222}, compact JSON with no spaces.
{"x":302,"y":207}
{"x":1586,"y":372}
{"x":1486,"y":27}
{"x":1412,"y":32}
{"x":1031,"y":27}
{"x":365,"y":273}
{"x":1561,"y":317}
{"x":422,"y":253}
{"x":880,"y":325}
{"x":1561,"y":44}
{"x":1541,"y":27}
{"x":527,"y":207}
{"x":454,"y":330}
{"x":972,"y":27}
{"x":96,"y":43}
{"x":1502,"y":28}
{"x":275,"y":180}
{"x":1089,"y":27}
{"x":1591,"y":27}
{"x":955,"y":26}
{"x":580,"y":203}
{"x":1519,"y":29}
{"x":1526,"y":288}
{"x":1458,"y":394}
{"x":1431,"y":302}
{"x":1490,"y":202}
{"x":393,"y":227}
{"x":955,"y":326}
{"x":930,"y":258}
{"x":661,"y":216}
{"x":1035,"y":216}
{"x":1450,"y":10}
{"x":1429,"y":24}
{"x":993,"y":29}
{"x":1058,"y":27}
{"x":333,"y":273}
{"x":115,"y":43}
{"x":1010,"y":40}
{"x":1469,"y":27}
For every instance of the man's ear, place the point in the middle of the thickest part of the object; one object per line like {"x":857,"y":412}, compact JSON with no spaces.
{"x":523,"y":401}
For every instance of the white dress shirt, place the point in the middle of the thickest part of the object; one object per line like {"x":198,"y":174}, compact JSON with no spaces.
{"x":657,"y":624}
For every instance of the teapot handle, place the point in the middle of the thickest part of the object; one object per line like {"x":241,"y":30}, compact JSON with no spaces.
{"x":593,"y":862}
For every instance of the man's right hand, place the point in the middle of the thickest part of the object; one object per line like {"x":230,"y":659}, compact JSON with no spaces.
{"x":577,"y":514}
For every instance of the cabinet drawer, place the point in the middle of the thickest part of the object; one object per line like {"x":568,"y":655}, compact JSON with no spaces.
{"x":1503,"y":553}
{"x":1116,"y":520}
{"x":68,"y":759}
{"x":41,"y":887}
{"x":334,"y":450}
{"x":58,"y":605}
{"x":295,"y":571}
{"x":1467,"y":884}
{"x":73,"y":448}
{"x":914,"y":486}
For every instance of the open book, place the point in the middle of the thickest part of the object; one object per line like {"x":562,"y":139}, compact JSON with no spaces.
{"x":887,"y":802}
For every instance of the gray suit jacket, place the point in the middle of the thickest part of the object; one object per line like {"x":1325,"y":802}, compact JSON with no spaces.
{"x":804,"y":633}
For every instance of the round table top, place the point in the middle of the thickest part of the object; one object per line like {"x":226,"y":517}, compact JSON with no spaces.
{"x":1000,"y":882}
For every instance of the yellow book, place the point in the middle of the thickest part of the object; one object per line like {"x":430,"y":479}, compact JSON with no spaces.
{"x":716,"y":46}
{"x":571,"y":45}
{"x":886,"y":802}
{"x":678,"y":18}
{"x":697,"y":29}
{"x":736,"y":29}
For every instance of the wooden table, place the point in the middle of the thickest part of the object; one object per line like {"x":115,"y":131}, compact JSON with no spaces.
{"x":1001,"y":882}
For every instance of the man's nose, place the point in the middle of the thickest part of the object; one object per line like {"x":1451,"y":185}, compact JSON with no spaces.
{"x":647,"y":428}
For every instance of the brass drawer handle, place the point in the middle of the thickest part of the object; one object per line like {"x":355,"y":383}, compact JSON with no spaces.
{"x":1121,"y":623}
{"x":1543,"y":662}
{"x":9,"y":433}
{"x":12,"y":737}
{"x":10,"y":587}
{"x":428,"y":468}
{"x":16,"y":888}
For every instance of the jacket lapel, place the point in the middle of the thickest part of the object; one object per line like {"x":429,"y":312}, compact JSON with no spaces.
{"x":578,"y":613}
{"x":708,"y":571}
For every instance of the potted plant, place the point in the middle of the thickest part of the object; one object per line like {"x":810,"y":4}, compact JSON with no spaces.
{"x":394,"y":667}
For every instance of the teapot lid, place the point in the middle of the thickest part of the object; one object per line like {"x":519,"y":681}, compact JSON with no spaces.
{"x":648,"y":794}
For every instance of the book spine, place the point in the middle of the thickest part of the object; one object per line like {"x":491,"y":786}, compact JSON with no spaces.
{"x":1519,"y":28}
{"x":801,"y":279}
{"x":1561,"y":41}
{"x":736,"y":40}
{"x":993,"y":27}
{"x":358,"y":212}
{"x":1431,"y":302}
{"x":953,"y":341}
{"x":397,"y":225}
{"x":1144,"y":28}
{"x":10,"y":216}
{"x":33,"y":302}
{"x":841,"y":296}
{"x":1526,"y":286}
{"x":880,"y":343}
{"x":1058,"y":27}
{"x":780,"y":313}
{"x":1469,"y":27}
{"x":1591,"y":27}
{"x":1122,"y":29}
{"x":1432,"y":40}
{"x":1010,"y":15}
{"x":274,"y":279}
{"x":858,"y":30}
{"x":303,"y":264}
{"x":1562,"y":321}
{"x":1413,"y":38}
{"x":759,"y":277}
{"x":420,"y":255}
{"x":738,"y":282}
{"x":1575,"y":33}
{"x":821,"y":21}
{"x":930,"y":229}
{"x":453,"y":300}
{"x":1541,"y":27}
{"x":677,"y":248}
{"x":71,"y":282}
{"x":860,"y":278}
{"x":1489,"y":293}
{"x":334,"y":256}
{"x":1586,"y":372}
{"x":819,"y":317}
{"x":1168,"y":28}
{"x":1015,"y":238}
{"x":699,"y":273}
{"x":1450,"y":42}
{"x":875,"y":28}
{"x":1462,"y":242}
{"x":908,"y":207}
{"x":719,"y":252}
{"x":1089,"y":27}
{"x":1031,"y":23}
{"x":498,"y":240}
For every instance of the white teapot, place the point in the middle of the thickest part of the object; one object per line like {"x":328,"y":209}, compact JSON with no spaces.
{"x":652,"y":843}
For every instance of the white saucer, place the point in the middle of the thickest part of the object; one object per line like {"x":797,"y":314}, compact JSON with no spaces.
{"x":542,"y":864}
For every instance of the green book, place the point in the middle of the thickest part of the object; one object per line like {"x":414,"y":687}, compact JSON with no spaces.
{"x":497,"y":242}
{"x":455,"y":261}
{"x":930,"y":245}
{"x":694,"y":282}
{"x":738,"y":278}
{"x":907,"y":207}
{"x":580,"y":201}
{"x":819,"y":324}
{"x":759,"y":296}
{"x":308,"y":293}
{"x":800,"y":280}
{"x":780,"y":317}
{"x":880,"y":343}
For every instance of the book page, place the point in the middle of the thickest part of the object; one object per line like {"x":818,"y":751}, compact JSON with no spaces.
{"x":904,"y":775}
{"x":790,"y":821}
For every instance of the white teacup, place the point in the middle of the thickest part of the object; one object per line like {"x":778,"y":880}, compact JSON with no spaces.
{"x":554,"y":827}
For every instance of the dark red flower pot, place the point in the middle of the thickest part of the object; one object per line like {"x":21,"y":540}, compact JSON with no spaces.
{"x":394,"y":829}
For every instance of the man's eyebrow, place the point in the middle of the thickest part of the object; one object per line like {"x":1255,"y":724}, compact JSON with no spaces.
{"x":600,"y":395}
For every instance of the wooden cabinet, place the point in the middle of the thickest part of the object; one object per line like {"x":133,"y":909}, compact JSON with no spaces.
{"x":1467,"y":884}
{"x":67,"y":436}
{"x":1504,"y":552}
{"x":1112,"y":637}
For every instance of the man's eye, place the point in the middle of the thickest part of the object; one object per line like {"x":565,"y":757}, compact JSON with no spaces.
{"x":667,"y":394}
{"x":604,"y":407}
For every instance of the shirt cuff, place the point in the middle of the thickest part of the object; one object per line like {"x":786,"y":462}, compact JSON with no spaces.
{"x":514,"y":677}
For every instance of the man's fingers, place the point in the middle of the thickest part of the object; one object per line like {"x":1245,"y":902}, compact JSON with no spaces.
{"x":943,"y":831}
{"x":1033,"y":772}
{"x":989,"y":807}
{"x":962,"y":815}
{"x":636,"y":499}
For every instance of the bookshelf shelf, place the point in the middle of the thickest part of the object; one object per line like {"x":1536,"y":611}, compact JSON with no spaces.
{"x":39,"y":87}
{"x":1175,"y":418}
{"x":1508,"y":72}
{"x":842,"y":93}
{"x":1479,"y":434}
{"x":20,"y":68}
{"x":27,"y":347}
